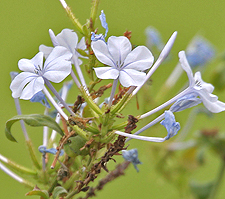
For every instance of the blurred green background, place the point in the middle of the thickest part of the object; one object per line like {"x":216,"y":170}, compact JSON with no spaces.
{"x":24,"y":26}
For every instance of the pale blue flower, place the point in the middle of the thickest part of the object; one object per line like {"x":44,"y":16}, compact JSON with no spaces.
{"x":185,"y":102}
{"x":199,"y":87}
{"x":170,"y":124}
{"x":122,"y":62}
{"x":40,"y":97}
{"x":68,"y":39}
{"x":56,"y":68}
{"x":132,"y":156}
{"x":95,"y":37}
{"x":44,"y":150}
{"x":153,"y":38}
{"x":199,"y":52}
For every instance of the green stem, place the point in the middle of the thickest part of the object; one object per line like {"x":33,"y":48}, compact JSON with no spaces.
{"x":80,"y":132}
{"x":121,"y":104}
{"x":218,"y":180}
{"x":90,"y":102}
{"x":32,"y":154}
{"x":71,"y":180}
{"x":94,"y":10}
{"x":53,"y":185}
{"x":119,"y":126}
{"x":18,"y":167}
{"x":75,"y":21}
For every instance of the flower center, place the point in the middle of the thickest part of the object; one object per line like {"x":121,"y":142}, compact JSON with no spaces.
{"x":38,"y":70}
{"x":198,"y":84}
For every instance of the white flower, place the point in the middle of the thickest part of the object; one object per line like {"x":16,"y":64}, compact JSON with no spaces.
{"x":68,"y":39}
{"x":203,"y":89}
{"x":123,"y":63}
{"x":56,"y":68}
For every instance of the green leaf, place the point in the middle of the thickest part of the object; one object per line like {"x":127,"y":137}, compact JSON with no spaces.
{"x":37,"y":192}
{"x":58,"y":191}
{"x":32,"y":120}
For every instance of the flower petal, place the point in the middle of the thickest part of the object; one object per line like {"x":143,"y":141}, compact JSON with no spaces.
{"x":139,"y":59}
{"x":131,"y":77}
{"x":68,"y":38}
{"x":32,"y":88}
{"x":57,"y":67}
{"x":46,"y":50}
{"x":29,"y":65}
{"x":200,"y":84}
{"x":185,"y":102}
{"x":119,"y":48}
{"x":101,"y":52}
{"x":186,"y":67}
{"x":106,"y":73}
{"x":53,"y":38}
{"x":170,"y":124}
{"x":20,"y":81}
{"x":211,"y":102}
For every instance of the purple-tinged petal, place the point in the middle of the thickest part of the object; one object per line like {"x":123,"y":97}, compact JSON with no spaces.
{"x":139,"y":59}
{"x":57,"y":67}
{"x":68,"y":38}
{"x":53,"y":38}
{"x":46,"y":50}
{"x":101,"y":52}
{"x":32,"y":88}
{"x":30,"y":65}
{"x":185,"y":65}
{"x":20,"y":81}
{"x":106,"y":73}
{"x":119,"y":48}
{"x":131,"y":77}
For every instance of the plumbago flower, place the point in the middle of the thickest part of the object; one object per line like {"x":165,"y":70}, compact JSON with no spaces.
{"x":95,"y":37}
{"x":169,"y":123}
{"x":68,"y":39}
{"x":202,"y":89}
{"x":122,"y":62}
{"x":56,"y":68}
{"x":132,"y":156}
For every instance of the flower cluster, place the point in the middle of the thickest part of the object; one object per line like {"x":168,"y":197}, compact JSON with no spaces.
{"x":88,"y":127}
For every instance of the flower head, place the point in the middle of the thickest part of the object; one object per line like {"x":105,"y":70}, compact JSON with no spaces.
{"x":170,"y":124}
{"x":202,"y":89}
{"x":56,"y":68}
{"x":154,"y":38}
{"x":132,"y":156}
{"x":123,"y":63}
{"x":68,"y":39}
{"x":199,"y":52}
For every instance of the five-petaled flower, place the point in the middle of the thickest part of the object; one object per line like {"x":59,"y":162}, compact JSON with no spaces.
{"x":202,"y":89}
{"x":56,"y":68}
{"x":125,"y":64}
{"x":68,"y":39}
